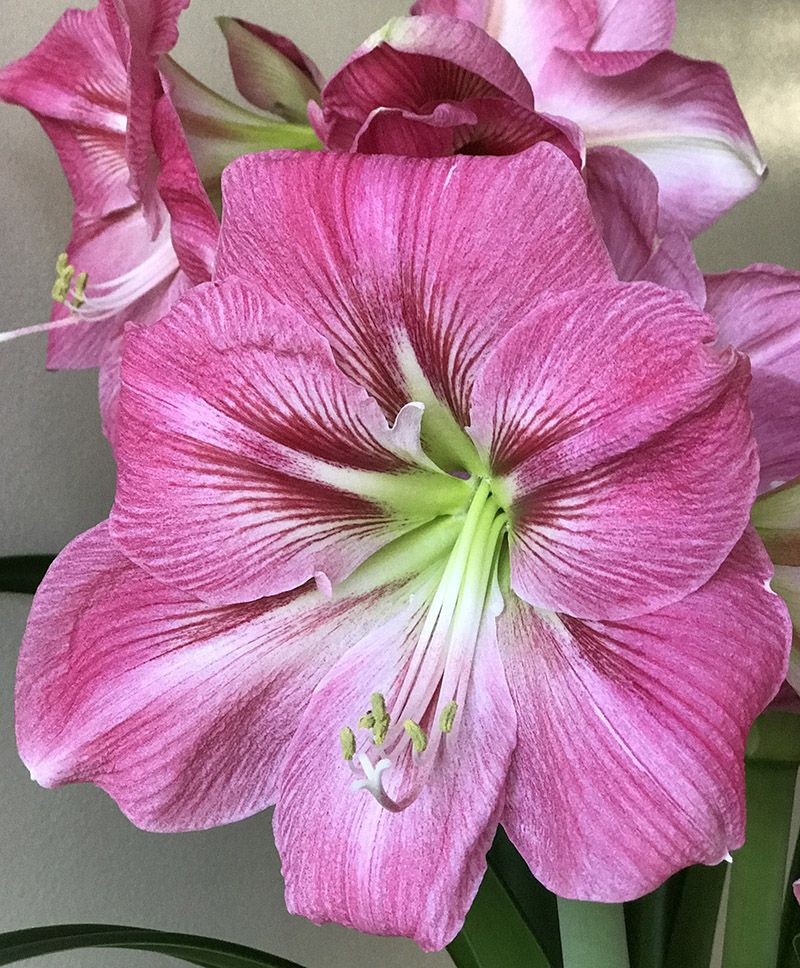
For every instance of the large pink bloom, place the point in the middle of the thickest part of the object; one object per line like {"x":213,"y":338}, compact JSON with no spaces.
{"x":605,"y":65}
{"x":93,"y":84}
{"x":421,"y":526}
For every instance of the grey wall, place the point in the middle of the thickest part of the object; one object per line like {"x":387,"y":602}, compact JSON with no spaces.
{"x":69,"y":855}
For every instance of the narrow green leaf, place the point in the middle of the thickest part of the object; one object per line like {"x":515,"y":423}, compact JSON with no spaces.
{"x":537,"y":905}
{"x":650,"y":920}
{"x":758,"y":874}
{"x":790,"y":923}
{"x":495,"y":934}
{"x":23,"y":573}
{"x":205,"y":952}
{"x":695,"y":921}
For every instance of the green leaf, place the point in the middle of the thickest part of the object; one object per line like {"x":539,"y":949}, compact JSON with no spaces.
{"x":495,"y":934}
{"x":790,"y":923}
{"x":757,"y":877}
{"x":695,"y":919}
{"x":206,"y":952}
{"x":649,"y":921}
{"x":23,"y":573}
{"x":537,"y":905}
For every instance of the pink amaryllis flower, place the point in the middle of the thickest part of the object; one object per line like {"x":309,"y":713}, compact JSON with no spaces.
{"x":605,"y":65}
{"x":93,"y":84}
{"x":142,"y":144}
{"x":421,"y":526}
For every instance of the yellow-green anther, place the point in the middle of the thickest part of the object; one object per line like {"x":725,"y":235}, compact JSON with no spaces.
{"x":418,"y":738}
{"x":448,"y":716}
{"x":64,"y":274}
{"x":367,"y":721}
{"x":348,"y":740}
{"x":79,"y":295}
{"x":382,"y":720}
{"x":380,"y":729}
{"x":378,"y":705}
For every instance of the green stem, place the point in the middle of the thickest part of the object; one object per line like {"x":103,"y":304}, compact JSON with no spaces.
{"x":592,"y":935}
{"x":758,"y":873}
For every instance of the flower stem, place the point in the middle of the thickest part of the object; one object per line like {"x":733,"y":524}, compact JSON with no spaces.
{"x":758,"y":874}
{"x":592,"y":935}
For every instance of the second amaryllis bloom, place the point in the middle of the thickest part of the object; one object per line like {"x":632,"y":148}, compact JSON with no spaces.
{"x":421,"y":526}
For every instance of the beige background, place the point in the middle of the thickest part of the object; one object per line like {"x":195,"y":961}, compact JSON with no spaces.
{"x":69,"y":855}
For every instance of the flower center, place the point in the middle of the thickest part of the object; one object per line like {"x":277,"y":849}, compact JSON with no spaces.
{"x":422,"y":714}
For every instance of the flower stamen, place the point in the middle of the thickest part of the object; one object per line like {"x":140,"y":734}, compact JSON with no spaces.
{"x":437,"y":676}
{"x":348,"y":742}
{"x":382,"y":720}
{"x":448,"y":717}
{"x":416,"y":733}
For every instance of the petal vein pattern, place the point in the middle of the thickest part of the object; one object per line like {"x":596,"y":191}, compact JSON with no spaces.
{"x":270,"y":464}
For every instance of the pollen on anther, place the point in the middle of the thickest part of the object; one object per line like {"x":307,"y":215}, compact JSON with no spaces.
{"x":79,"y":296}
{"x":381,"y":718}
{"x":448,"y":717}
{"x":419,"y":740}
{"x":348,"y":741}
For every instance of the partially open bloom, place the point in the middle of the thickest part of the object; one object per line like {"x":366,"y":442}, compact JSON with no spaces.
{"x":421,"y":526}
{"x":120,"y":263}
{"x":661,"y":139}
{"x":605,"y":65}
{"x":142,"y":144}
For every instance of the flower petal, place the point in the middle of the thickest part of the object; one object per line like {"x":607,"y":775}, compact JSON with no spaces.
{"x":131,"y":276}
{"x":181,"y":711}
{"x":624,"y":196}
{"x":414,"y":62}
{"x":633,"y":25}
{"x":757,"y":310}
{"x":269,"y":70}
{"x":475,"y":11}
{"x":144,"y":30}
{"x":626,"y":459}
{"x":346,"y":858}
{"x":529,"y":30}
{"x":75,"y":84}
{"x":194,"y":225}
{"x":411,"y":269}
{"x":248,"y":463}
{"x":679,"y":116}
{"x":476,"y":126}
{"x":629,"y":764}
